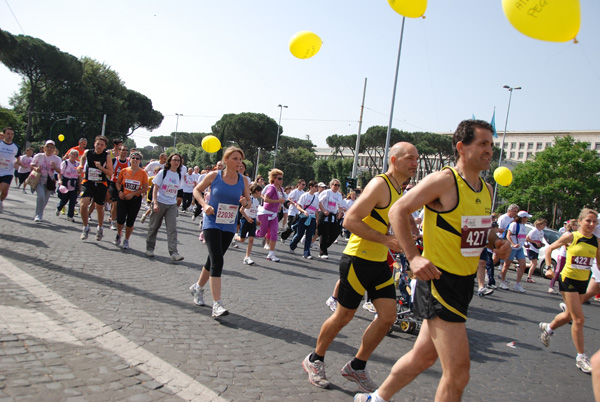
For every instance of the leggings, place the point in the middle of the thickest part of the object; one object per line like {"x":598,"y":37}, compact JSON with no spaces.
{"x":265,"y":225}
{"x":187,"y":200}
{"x":217,"y":243}
{"x":127,"y":210}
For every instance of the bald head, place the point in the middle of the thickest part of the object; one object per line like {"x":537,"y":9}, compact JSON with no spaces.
{"x":400,"y":149}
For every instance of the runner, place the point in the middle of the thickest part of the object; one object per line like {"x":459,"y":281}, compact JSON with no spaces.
{"x":363,"y":267}
{"x":132,"y":185}
{"x":119,"y":163}
{"x":516,"y":233}
{"x":456,"y":227}
{"x":25,"y":168}
{"x":267,"y":214}
{"x":293,"y":214}
{"x":9,"y":159}
{"x":228,"y":189}
{"x":535,"y":239}
{"x":70,"y":180}
{"x":80,"y":148}
{"x":97,"y":167}
{"x":306,"y":223}
{"x":249,"y":222}
{"x":332,"y":205}
{"x":582,"y":248}
{"x":164,"y":205}
{"x":152,"y":165}
{"x":47,"y":164}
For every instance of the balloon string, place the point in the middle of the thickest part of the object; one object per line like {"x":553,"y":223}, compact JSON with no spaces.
{"x":575,"y":41}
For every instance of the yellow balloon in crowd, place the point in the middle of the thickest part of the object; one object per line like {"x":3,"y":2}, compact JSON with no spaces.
{"x":211,"y":144}
{"x":61,"y":137}
{"x":553,"y":21}
{"x":503,"y":176}
{"x":305,"y":44}
{"x":409,"y":8}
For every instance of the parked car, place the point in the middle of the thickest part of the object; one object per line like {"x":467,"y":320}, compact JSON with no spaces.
{"x":550,"y":236}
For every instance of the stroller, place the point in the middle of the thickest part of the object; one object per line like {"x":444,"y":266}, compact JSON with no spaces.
{"x":405,"y":319}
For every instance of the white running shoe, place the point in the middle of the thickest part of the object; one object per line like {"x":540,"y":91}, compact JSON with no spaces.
{"x":176,"y":257}
{"x":267,"y":247}
{"x":331,"y":303}
{"x":544,"y":334}
{"x":323,"y":256}
{"x":234,"y":244}
{"x":518,"y":288}
{"x":361,"y":377}
{"x":503,"y":285}
{"x":125,"y":244}
{"x":369,"y":307}
{"x":562,"y":306}
{"x":100,"y":233}
{"x":84,"y":233}
{"x":583,"y":364}
{"x":316,"y":372}
{"x":248,"y":261}
{"x":198,"y":294}
{"x":273,"y":257}
{"x":113,"y":226}
{"x":219,"y":310}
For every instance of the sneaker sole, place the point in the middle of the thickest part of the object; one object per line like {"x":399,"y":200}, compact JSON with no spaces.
{"x":220,"y":315}
{"x":351,"y":378}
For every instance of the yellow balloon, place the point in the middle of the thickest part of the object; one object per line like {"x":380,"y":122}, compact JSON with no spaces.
{"x":305,"y":44}
{"x":211,"y":144}
{"x":553,"y":21}
{"x":61,"y":137}
{"x":409,"y":8}
{"x":503,"y":176}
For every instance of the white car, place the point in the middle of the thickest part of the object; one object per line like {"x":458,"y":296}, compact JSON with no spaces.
{"x":550,"y":236}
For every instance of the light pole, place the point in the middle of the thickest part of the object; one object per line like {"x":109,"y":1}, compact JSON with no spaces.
{"x":510,"y":90}
{"x":68,"y":119}
{"x":176,"y":127}
{"x":278,"y":129}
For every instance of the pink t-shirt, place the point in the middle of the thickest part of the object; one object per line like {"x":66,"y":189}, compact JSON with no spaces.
{"x":272,"y":193}
{"x":45,"y":163}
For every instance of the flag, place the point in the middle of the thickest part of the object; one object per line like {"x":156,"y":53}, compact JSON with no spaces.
{"x":493,"y":123}
{"x":474,"y":117}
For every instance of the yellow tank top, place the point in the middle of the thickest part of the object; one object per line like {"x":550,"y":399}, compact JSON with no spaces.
{"x":453,"y":240}
{"x":580,"y":254}
{"x":378,"y":220}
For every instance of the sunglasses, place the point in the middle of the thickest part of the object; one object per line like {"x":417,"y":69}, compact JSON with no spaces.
{"x":124,"y":150}
{"x":336,"y":185}
{"x":135,"y":158}
{"x":280,"y":178}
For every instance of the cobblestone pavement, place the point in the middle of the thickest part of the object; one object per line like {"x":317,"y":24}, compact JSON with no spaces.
{"x":85,"y":320}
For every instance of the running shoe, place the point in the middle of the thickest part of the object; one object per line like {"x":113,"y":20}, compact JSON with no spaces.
{"x":84,"y":233}
{"x":292,"y":251}
{"x":57,"y":212}
{"x":125,"y":244}
{"x":369,"y":307}
{"x":267,"y":247}
{"x":562,"y":306}
{"x":323,"y":256}
{"x":552,"y":291}
{"x":149,"y":253}
{"x":491,"y":286}
{"x":198,"y":294}
{"x":308,"y":257}
{"x":37,"y":219}
{"x":234,"y":244}
{"x":71,"y":220}
{"x":583,"y":364}
{"x":361,"y":377}
{"x":544,"y":334}
{"x":143,"y":218}
{"x":316,"y":372}
{"x":484,"y":292}
{"x":248,"y":261}
{"x":273,"y":257}
{"x":194,"y":218}
{"x":363,"y":398}
{"x":331,"y":303}
{"x":518,"y":288}
{"x":117,"y":240}
{"x":219,"y":310}
{"x":176,"y":257}
{"x":113,"y":226}
{"x":503,"y":285}
{"x":530,"y":280}
{"x":100,"y":233}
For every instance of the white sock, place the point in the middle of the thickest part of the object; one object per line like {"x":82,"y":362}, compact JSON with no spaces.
{"x":581,"y":355}
{"x":376,"y":398}
{"x":216,"y":302}
{"x":549,"y":330}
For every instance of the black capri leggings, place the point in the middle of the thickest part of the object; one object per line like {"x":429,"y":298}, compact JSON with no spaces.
{"x":217,"y":243}
{"x":127,"y":210}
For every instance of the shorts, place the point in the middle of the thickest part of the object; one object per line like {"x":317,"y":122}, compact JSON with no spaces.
{"x":484,"y":255}
{"x":572,"y":285}
{"x":95,"y":191}
{"x":533,"y":255}
{"x":127,"y":211}
{"x":247,"y":229}
{"x":23,"y":177}
{"x":6,"y":179}
{"x":180,"y":193}
{"x":112,"y":190}
{"x":447,"y":297}
{"x":517,"y":254}
{"x":358,"y":275}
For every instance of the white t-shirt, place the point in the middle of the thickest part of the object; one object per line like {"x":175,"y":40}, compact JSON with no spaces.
{"x":517,"y":238}
{"x":538,"y":235}
{"x":25,"y":164}
{"x":253,"y":210}
{"x":294,"y":196}
{"x":309,"y":203}
{"x":8,"y":155}
{"x":45,"y":163}
{"x":188,"y":183}
{"x":504,"y":221}
{"x":332,"y":201}
{"x":152,"y":166}
{"x":167,"y":188}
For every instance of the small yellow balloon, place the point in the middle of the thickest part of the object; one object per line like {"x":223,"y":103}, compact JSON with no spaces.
{"x":553,"y":21}
{"x":305,"y":44}
{"x":211,"y":144}
{"x":409,"y":8}
{"x":61,"y":137}
{"x":503,"y":176}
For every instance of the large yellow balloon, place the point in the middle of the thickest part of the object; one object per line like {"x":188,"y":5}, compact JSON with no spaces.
{"x":305,"y":44}
{"x":503,"y":176}
{"x":61,"y":137}
{"x":554,"y":21}
{"x":211,"y":144}
{"x":409,"y":8}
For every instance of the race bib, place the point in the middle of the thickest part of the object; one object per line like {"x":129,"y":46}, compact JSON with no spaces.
{"x":311,"y":209}
{"x":252,"y":212}
{"x":581,"y":262}
{"x":226,"y":214}
{"x":169,"y":190}
{"x":132,"y":185}
{"x":94,"y":174}
{"x":4,"y":164}
{"x":474,"y":234}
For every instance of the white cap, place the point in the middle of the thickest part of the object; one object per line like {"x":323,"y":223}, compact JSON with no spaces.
{"x":524,"y":214}
{"x":321,"y":184}
{"x":50,"y":142}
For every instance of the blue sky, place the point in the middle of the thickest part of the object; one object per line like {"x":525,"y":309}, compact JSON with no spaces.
{"x":204,"y":58}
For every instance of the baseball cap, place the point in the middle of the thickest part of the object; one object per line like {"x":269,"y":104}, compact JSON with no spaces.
{"x":524,"y":214}
{"x":50,"y":142}
{"x":321,"y":184}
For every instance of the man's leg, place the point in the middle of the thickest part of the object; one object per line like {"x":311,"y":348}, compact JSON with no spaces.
{"x":375,"y":332}
{"x":331,"y":327}
{"x":84,"y":204}
{"x":4,"y":191}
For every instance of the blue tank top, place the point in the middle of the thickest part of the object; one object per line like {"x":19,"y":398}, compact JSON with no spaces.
{"x":225,"y":200}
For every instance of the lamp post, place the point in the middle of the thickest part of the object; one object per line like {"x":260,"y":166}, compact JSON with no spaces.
{"x":278,"y":129}
{"x":510,"y":90}
{"x":176,"y":127}
{"x":68,"y":119}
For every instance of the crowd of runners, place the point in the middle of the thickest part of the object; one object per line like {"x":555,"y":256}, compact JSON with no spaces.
{"x":460,"y":235}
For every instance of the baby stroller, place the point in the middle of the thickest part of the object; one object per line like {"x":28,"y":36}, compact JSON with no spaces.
{"x":405,"y":320}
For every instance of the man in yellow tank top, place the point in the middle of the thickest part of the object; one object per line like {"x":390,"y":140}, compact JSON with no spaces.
{"x":456,"y":227}
{"x":363,"y":267}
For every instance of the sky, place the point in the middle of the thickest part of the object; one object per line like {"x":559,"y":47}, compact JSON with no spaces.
{"x":203,"y":59}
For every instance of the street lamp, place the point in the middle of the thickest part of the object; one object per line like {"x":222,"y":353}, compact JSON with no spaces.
{"x":68,"y":119}
{"x":278,"y":129}
{"x":176,"y":126}
{"x":510,"y":89}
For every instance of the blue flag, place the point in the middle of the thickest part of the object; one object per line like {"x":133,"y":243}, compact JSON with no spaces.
{"x":493,"y":123}
{"x":474,"y":117}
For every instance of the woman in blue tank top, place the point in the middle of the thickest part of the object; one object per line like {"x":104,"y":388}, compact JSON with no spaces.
{"x":228,"y":190}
